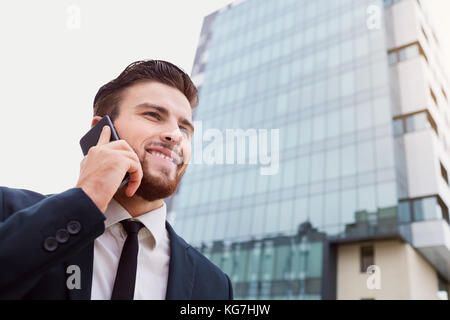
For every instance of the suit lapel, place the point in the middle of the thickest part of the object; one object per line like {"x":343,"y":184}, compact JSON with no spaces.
{"x":181,"y":268}
{"x":85,"y":260}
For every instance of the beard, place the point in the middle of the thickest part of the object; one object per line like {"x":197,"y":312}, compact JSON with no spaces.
{"x":154,"y":187}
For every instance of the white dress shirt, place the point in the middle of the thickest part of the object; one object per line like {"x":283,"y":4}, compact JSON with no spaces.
{"x":153,"y":256}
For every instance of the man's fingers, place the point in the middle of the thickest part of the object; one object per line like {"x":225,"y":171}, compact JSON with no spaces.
{"x":136,"y":174}
{"x":105,"y":136}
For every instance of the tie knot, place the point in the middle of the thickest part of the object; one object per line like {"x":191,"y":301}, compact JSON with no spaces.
{"x":131,"y":226}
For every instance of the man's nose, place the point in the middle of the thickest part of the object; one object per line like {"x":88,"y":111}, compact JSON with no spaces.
{"x":173,"y":137}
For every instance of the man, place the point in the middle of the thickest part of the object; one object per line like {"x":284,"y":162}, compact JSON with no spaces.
{"x":99,"y":241}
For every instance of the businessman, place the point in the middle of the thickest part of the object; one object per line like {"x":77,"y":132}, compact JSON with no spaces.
{"x":98,"y":240}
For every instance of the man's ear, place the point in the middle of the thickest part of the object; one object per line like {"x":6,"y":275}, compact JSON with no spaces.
{"x":95,"y":120}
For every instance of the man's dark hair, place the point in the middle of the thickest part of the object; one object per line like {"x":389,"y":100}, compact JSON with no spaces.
{"x":106,"y":101}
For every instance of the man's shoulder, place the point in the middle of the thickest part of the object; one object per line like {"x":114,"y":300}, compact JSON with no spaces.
{"x":202,"y":263}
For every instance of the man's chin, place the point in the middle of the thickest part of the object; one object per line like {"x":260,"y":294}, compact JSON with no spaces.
{"x":156,"y":187}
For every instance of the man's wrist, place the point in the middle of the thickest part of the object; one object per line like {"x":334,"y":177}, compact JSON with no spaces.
{"x":93,"y":195}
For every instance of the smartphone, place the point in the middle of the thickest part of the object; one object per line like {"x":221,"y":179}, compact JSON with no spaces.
{"x":90,"y":139}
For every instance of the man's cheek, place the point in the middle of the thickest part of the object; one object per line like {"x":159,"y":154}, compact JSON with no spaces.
{"x":182,"y":169}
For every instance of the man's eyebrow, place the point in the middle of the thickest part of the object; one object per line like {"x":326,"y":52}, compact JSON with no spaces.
{"x":165,"y":112}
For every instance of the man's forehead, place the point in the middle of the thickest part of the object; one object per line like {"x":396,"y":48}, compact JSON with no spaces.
{"x":148,"y":94}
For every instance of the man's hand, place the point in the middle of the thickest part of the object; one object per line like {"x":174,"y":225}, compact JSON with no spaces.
{"x":104,"y":167}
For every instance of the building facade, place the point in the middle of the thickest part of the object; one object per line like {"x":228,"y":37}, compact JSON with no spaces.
{"x":358,"y":205}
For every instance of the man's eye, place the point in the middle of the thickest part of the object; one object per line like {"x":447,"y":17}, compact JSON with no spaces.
{"x":186,"y":131}
{"x":153,"y":114}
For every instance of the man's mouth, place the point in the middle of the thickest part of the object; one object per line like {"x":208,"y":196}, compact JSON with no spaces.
{"x":165,"y":154}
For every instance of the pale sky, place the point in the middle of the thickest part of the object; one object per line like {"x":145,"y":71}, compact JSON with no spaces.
{"x":50,"y":73}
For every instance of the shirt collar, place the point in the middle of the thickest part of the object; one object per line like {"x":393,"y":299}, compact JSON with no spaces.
{"x":154,"y":221}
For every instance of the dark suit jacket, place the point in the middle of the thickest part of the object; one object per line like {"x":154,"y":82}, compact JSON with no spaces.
{"x":32,"y":268}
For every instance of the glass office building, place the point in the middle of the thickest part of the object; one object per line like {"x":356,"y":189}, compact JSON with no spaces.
{"x":325,"y":73}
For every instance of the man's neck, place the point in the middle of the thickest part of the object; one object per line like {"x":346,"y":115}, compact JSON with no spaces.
{"x":136,"y":205}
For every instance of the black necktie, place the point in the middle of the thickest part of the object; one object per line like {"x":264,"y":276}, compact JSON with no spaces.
{"x":126,"y":272}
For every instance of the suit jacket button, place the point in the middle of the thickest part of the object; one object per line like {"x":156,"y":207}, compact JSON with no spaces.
{"x":62,"y":236}
{"x":50,"y":244}
{"x":73,"y":227}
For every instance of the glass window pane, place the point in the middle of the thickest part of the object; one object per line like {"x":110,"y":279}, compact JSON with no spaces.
{"x":347,"y":84}
{"x":318,"y":128}
{"x":283,"y":262}
{"x":334,"y":88}
{"x":382,"y":111}
{"x":333,"y":56}
{"x":411,"y":51}
{"x":267,"y":262}
{"x":319,"y":92}
{"x":362,"y":46}
{"x":333,"y":124}
{"x":233,"y":224}
{"x":227,"y":187}
{"x":289,"y":136}
{"x":366,"y":159}
{"x":304,"y":136}
{"x":254,"y":264}
{"x":209,"y":230}
{"x":221,"y":224}
{"x":363,"y":78}
{"x":387,"y":195}
{"x":418,"y":210}
{"x":251,"y":177}
{"x":398,"y":127}
{"x":272,"y":217}
{"x":348,"y":205}
{"x":404,"y":212}
{"x":227,"y":262}
{"x":303,"y":170}
{"x":258,"y":219}
{"x":367,"y":199}
{"x":315,"y":260}
{"x":346,"y":51}
{"x":417,"y":122}
{"x":306,"y":97}
{"x":431,"y":210}
{"x":246,"y":223}
{"x":384,"y":152}
{"x":392,"y":58}
{"x":364,"y":118}
{"x":240,"y":258}
{"x":187,"y":230}
{"x":348,"y":120}
{"x":285,"y":216}
{"x":288,"y":169}
{"x":333,"y":164}
{"x":317,"y":166}
{"x":299,"y":262}
{"x":331,"y":212}
{"x":316,"y":211}
{"x":348,"y":162}
{"x":262,"y":184}
{"x":300,"y":212}
{"x":238,"y":184}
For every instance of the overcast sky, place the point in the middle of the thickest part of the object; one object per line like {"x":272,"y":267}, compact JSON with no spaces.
{"x":50,"y":71}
